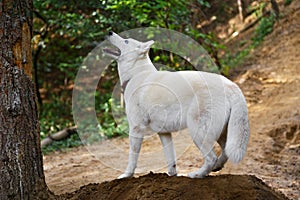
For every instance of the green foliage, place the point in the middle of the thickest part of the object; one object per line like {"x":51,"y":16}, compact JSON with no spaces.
{"x":233,"y":60}
{"x":72,"y":141}
{"x":64,"y":32}
{"x":136,"y":13}
{"x":204,"y":3}
{"x":265,"y":27}
{"x":54,"y":116}
{"x":111,"y":125}
{"x":287,"y":2}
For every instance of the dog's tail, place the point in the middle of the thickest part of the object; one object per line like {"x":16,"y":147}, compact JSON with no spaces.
{"x":238,"y":128}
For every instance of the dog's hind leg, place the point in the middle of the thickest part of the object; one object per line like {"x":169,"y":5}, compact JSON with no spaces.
{"x":203,"y":132}
{"x":210,"y":158}
{"x":166,"y":140}
{"x":135,"y":140}
{"x":222,"y":159}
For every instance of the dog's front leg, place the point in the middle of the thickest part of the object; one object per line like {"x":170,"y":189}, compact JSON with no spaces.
{"x":135,"y":147}
{"x":166,"y":140}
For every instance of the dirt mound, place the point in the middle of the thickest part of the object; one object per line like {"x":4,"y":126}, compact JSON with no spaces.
{"x":161,"y":186}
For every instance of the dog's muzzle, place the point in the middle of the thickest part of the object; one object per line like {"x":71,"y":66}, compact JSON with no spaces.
{"x":113,"y":51}
{"x":110,"y":33}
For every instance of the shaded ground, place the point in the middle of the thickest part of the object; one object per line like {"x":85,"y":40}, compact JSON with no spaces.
{"x":271,"y":85}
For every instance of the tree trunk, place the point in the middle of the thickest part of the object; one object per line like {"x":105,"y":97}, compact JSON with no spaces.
{"x":21,"y":163}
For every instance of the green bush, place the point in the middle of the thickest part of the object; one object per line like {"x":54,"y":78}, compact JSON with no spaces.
{"x":264,"y":28}
{"x":287,"y":2}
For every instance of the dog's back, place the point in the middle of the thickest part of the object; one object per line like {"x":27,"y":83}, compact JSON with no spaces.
{"x":170,"y":96}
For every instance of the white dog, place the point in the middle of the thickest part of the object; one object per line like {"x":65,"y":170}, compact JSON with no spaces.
{"x":212,"y":107}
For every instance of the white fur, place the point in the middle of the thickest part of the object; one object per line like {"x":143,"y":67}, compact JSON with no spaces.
{"x":209,"y":105}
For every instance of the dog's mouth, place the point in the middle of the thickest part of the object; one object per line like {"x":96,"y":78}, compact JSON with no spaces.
{"x":112,"y":51}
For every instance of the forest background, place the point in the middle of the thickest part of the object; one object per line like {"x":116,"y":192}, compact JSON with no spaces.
{"x":66,"y":31}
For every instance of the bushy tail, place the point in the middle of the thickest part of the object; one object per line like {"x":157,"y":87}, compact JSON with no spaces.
{"x":238,"y":130}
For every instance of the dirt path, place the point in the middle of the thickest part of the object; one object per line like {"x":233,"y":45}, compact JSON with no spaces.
{"x":272,"y":88}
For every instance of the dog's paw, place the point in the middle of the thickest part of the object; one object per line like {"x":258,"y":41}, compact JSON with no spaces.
{"x":172,"y":174}
{"x":125,"y":175}
{"x":196,"y":175}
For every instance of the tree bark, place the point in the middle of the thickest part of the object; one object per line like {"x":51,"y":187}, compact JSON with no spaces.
{"x":21,"y":163}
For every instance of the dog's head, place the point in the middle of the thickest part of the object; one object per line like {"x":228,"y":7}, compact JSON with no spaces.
{"x":130,"y":48}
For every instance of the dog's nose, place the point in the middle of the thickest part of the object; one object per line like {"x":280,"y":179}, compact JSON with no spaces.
{"x":110,"y":33}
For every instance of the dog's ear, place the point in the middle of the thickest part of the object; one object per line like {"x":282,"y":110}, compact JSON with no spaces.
{"x":146,"y":46}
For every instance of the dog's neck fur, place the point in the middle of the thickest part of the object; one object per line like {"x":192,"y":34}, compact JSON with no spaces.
{"x":127,"y":68}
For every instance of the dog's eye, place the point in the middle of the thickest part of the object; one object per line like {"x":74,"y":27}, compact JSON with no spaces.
{"x":126,"y":41}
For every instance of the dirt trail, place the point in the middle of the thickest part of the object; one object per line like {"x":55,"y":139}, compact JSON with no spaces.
{"x":271,"y":85}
